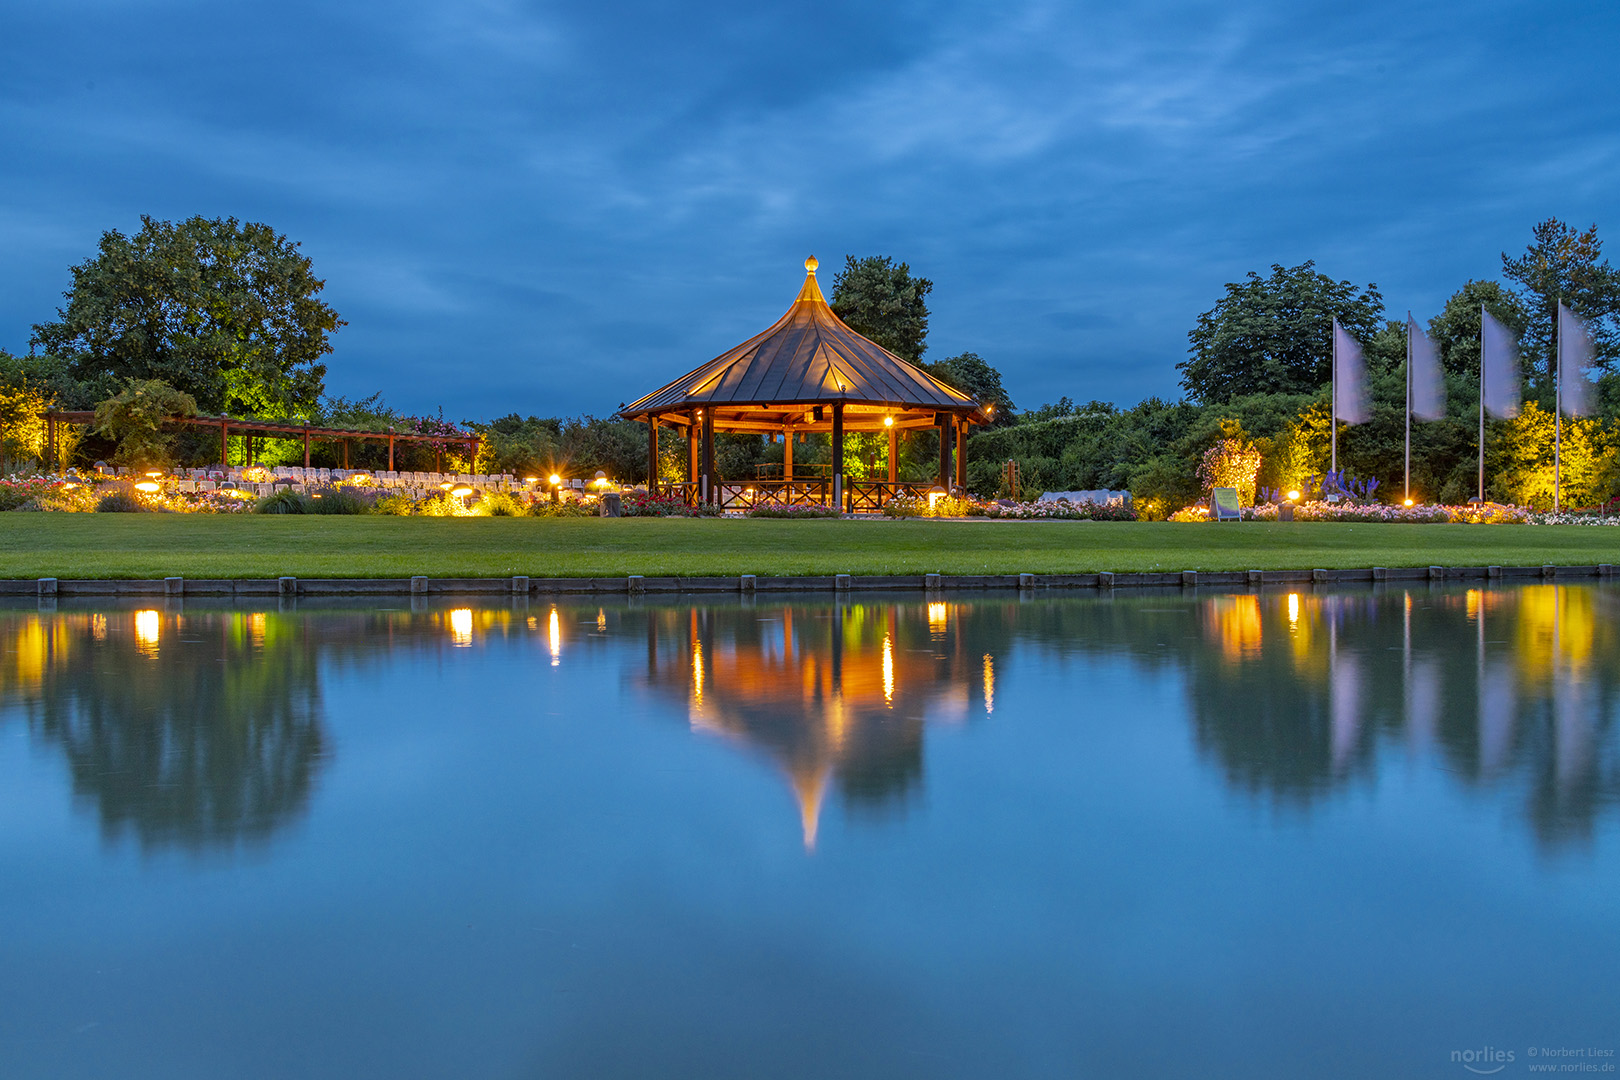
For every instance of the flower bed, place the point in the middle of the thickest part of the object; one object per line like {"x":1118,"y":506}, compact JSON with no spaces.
{"x":1422,"y":514}
{"x":956,"y":506}
{"x":1574,"y":519}
{"x":642,"y":504}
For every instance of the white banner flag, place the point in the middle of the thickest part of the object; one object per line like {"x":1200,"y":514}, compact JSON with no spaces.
{"x":1428,"y":385}
{"x":1498,"y":367}
{"x":1575,"y":353}
{"x":1349,"y":378}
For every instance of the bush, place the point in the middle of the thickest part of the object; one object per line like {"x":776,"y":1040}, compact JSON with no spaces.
{"x":121,"y":502}
{"x":563,"y":510}
{"x":397,"y":505}
{"x":500,"y":504}
{"x":641,"y":504}
{"x":336,"y":500}
{"x":285,"y":501}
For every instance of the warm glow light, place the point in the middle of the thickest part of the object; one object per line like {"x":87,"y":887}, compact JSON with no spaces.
{"x":1293,"y":496}
{"x":601,"y":621}
{"x":98,"y":627}
{"x":1408,"y":502}
{"x":888,"y":421}
{"x":934,"y":497}
{"x":147,"y":625}
{"x":888,"y":671}
{"x":445,"y":486}
{"x":555,"y":479}
{"x":461,"y":627}
{"x":256,"y":627}
{"x":531,"y":479}
{"x":149,"y":486}
{"x":554,"y":633}
{"x":1293,"y":609}
{"x":154,"y":473}
{"x":697,"y":673}
{"x":69,"y":486}
{"x":461,"y":492}
{"x":989,"y":683}
{"x":936,"y":618}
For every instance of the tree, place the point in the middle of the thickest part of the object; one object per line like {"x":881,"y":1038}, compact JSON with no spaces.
{"x":226,"y":312}
{"x":1456,"y":329}
{"x":134,"y":420}
{"x":1562,"y":264}
{"x":879,"y":298}
{"x":1273,"y":335}
{"x":972,"y":374}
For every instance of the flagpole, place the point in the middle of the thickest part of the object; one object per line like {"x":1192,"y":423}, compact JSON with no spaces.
{"x":1333,"y":417}
{"x":1482,"y":403}
{"x":1408,"y":495}
{"x":1558,"y":399}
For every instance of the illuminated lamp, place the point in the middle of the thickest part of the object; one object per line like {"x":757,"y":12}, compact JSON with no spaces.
{"x":461,"y":491}
{"x":1408,"y":502}
{"x":554,"y":479}
{"x":148,"y":486}
{"x":888,"y":421}
{"x":1293,"y":496}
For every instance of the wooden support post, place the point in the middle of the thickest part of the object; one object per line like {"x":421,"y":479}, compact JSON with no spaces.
{"x":944,"y":453}
{"x":345,"y":453}
{"x":306,"y":446}
{"x":247,"y":443}
{"x":693,"y":440}
{"x":838,"y":454}
{"x":224,"y":444}
{"x":708,"y":456}
{"x":961,"y":454}
{"x":894,"y":464}
{"x":390,"y":450}
{"x":787,"y":453}
{"x":652,"y":454}
{"x":438,"y":457}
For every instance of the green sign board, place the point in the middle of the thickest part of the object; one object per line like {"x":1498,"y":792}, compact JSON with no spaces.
{"x":1223,"y":505}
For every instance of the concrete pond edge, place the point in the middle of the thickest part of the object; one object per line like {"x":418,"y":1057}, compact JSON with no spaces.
{"x":746,"y":584}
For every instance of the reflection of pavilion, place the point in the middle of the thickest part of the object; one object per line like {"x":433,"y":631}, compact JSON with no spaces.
{"x":831,"y":694}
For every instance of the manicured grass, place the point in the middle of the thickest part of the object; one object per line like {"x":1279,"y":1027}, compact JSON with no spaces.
{"x":199,"y":546}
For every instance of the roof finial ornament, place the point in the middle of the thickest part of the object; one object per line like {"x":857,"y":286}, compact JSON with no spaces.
{"x":810,"y":265}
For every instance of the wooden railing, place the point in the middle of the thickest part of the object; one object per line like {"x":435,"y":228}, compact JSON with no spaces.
{"x":860,"y":496}
{"x":871,"y":496}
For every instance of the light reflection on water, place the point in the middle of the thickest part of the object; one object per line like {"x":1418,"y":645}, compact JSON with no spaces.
{"x":934,"y":760}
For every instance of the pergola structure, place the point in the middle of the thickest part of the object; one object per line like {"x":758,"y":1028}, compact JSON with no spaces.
{"x":278,"y":429}
{"x":807,"y":373}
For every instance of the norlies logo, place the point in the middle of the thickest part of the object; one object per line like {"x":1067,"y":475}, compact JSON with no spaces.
{"x":1484,"y":1061}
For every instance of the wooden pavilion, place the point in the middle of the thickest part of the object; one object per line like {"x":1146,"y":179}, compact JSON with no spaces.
{"x":807,"y":373}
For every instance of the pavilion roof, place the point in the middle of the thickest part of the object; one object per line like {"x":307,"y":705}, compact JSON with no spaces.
{"x":807,"y":357}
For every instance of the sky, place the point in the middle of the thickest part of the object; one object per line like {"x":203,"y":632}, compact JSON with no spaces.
{"x":553,"y":208}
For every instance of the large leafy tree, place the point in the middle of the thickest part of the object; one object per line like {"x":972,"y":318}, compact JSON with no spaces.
{"x":1456,"y":329}
{"x":1562,"y":263}
{"x":229,"y":313}
{"x":972,"y":374}
{"x":879,"y":298}
{"x":1272,"y":334}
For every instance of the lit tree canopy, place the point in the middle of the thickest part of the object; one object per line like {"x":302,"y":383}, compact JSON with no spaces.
{"x":226,"y":312}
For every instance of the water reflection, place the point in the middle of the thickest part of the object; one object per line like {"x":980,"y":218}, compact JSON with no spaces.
{"x":836,"y":696}
{"x":1296,"y":695}
{"x":201,"y":728}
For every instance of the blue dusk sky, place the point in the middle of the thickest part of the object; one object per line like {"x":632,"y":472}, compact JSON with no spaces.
{"x":555,"y":207}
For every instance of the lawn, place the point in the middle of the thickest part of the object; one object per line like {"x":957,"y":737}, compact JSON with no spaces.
{"x":208,"y":546}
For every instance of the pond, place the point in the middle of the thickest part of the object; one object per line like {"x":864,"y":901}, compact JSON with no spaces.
{"x":1331,"y":833}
